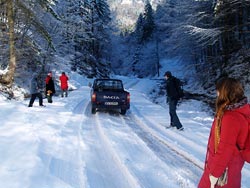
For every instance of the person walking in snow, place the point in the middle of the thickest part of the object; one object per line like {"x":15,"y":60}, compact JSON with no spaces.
{"x":227,"y":137}
{"x":172,"y":99}
{"x":34,"y":91}
{"x":64,"y":84}
{"x":50,"y":87}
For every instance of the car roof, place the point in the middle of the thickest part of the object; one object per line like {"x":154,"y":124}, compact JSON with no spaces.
{"x":104,"y":79}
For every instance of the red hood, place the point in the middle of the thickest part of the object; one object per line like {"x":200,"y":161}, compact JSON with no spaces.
{"x":47,"y":79}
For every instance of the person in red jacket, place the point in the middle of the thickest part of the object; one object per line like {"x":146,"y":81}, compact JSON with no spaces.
{"x":227,"y":136}
{"x":64,"y":84}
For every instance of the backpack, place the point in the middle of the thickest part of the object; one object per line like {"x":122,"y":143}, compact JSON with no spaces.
{"x":179,"y":89}
{"x":245,"y":153}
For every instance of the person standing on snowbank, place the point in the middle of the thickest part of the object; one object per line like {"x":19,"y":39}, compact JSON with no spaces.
{"x":64,"y":84}
{"x":34,"y":91}
{"x":50,"y":87}
{"x":227,"y":138}
{"x":172,"y":99}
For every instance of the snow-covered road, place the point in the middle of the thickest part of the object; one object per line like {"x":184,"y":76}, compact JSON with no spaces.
{"x":65,"y":146}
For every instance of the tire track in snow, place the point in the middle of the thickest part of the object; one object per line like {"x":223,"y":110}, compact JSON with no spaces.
{"x":67,"y":143}
{"x":146,"y":129}
{"x":139,"y":155}
{"x":159,"y":132}
{"x":130,"y":178}
{"x":103,"y":167}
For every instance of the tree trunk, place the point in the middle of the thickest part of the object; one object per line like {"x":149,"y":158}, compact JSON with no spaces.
{"x":8,"y":77}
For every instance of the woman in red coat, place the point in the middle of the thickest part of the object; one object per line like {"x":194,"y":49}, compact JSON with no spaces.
{"x":64,"y":84}
{"x":227,"y":136}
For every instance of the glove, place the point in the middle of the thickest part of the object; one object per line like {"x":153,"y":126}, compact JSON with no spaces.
{"x":213,"y":180}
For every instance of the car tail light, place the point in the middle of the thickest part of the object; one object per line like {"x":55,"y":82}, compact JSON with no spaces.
{"x":93,"y":97}
{"x":128,"y":98}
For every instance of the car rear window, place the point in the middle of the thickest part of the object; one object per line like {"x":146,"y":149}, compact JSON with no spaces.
{"x":108,"y":85}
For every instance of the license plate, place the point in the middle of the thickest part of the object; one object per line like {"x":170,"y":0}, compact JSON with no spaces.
{"x":111,"y":103}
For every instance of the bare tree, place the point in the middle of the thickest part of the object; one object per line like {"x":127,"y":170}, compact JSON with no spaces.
{"x":8,"y":77}
{"x":26,"y":7}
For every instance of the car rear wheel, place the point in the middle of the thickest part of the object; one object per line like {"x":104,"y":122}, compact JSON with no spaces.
{"x":93,"y":110}
{"x":123,"y":111}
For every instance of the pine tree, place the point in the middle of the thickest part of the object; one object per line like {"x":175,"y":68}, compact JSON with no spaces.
{"x":100,"y":41}
{"x":139,"y":28}
{"x":149,"y":25}
{"x":232,"y":19}
{"x":145,"y":25}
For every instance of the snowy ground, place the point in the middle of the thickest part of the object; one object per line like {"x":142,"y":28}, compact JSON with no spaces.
{"x":63,"y":145}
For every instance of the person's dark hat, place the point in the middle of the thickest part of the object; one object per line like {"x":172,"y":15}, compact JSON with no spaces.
{"x":168,"y":74}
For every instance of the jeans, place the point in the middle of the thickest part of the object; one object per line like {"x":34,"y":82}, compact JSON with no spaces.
{"x":64,"y":91}
{"x":33,"y":97}
{"x":174,"y":120}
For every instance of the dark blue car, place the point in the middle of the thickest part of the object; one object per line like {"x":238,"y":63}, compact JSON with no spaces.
{"x":109,"y":94}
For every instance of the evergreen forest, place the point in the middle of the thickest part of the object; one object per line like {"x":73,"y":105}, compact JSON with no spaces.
{"x":209,"y":36}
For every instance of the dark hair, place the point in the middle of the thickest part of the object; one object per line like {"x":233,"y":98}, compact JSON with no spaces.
{"x":63,"y":72}
{"x":168,"y":74}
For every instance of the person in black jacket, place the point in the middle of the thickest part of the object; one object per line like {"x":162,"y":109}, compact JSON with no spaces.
{"x":172,"y":99}
{"x":34,"y":91}
{"x":50,"y":87}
